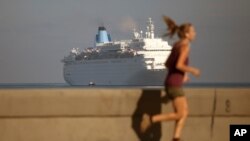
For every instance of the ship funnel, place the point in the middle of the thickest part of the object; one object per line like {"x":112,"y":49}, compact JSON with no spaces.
{"x":102,"y":35}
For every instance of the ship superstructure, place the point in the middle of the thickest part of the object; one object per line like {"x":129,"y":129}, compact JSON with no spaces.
{"x":138,"y":61}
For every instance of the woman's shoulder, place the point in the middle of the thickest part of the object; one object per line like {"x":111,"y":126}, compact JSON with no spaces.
{"x":182,"y":44}
{"x":184,"y":47}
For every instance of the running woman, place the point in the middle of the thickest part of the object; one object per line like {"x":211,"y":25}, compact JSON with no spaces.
{"x":177,"y":65}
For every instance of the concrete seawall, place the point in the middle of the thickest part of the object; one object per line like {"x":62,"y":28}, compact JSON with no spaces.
{"x":98,"y":114}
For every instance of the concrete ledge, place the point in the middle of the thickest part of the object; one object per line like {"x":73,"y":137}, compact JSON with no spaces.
{"x":221,"y":126}
{"x":108,"y":129}
{"x":66,"y":129}
{"x":234,"y":102}
{"x":73,"y":114}
{"x":93,"y":102}
{"x":196,"y":129}
{"x":68,"y":102}
{"x":92,"y":129}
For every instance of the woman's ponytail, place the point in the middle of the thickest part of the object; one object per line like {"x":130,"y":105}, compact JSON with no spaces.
{"x":172,"y":27}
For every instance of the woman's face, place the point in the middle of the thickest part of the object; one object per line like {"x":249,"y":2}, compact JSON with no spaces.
{"x":191,"y":33}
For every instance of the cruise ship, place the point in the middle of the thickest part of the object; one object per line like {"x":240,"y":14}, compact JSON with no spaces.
{"x":138,"y":61}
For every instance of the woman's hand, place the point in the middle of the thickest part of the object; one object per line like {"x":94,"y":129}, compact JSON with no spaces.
{"x":186,"y":78}
{"x":196,"y":72}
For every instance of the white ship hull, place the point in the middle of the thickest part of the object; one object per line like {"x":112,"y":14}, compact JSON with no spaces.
{"x":113,"y":72}
{"x":135,"y":62}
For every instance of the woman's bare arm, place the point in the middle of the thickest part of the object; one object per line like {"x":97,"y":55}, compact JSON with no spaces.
{"x":184,"y":51}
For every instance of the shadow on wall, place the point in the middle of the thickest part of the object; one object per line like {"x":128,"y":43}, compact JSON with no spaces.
{"x":150,"y":103}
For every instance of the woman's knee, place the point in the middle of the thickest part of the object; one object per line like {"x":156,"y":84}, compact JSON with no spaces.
{"x":182,"y":115}
{"x":185,"y":114}
{"x":180,"y":104}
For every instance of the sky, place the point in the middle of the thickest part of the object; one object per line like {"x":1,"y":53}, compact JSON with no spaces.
{"x":35,"y":35}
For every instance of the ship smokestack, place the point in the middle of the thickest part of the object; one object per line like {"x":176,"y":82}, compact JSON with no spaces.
{"x":102,"y":35}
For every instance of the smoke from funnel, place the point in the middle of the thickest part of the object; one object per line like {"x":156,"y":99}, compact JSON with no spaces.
{"x":97,"y":22}
{"x":127,"y":24}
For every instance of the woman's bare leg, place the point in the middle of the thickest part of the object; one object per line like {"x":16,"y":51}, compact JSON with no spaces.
{"x":181,"y":111}
{"x":182,"y":108}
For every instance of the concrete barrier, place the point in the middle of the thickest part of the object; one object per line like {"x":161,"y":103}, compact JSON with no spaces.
{"x":234,"y":102}
{"x":221,"y":126}
{"x":95,"y":114}
{"x":68,"y":102}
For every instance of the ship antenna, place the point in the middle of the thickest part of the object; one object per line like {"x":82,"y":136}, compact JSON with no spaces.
{"x":136,"y":34}
{"x":141,"y":34}
{"x":150,"y":28}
